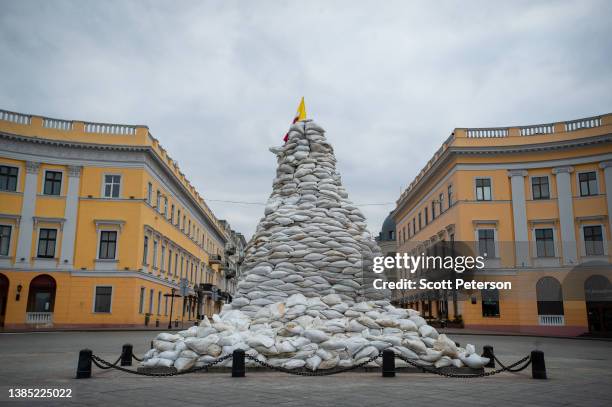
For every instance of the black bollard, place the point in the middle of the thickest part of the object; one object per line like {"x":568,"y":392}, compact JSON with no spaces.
{"x":487,"y":352}
{"x":238,"y":365}
{"x":84,"y":365}
{"x":538,"y":367}
{"x":388,"y":367}
{"x":152,"y":345}
{"x":126,"y":355}
{"x":457,"y":344}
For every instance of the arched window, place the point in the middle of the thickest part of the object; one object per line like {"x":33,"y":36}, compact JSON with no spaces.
{"x":490,"y":302}
{"x":41,"y":296}
{"x":550,"y":296}
{"x":597,"y":288}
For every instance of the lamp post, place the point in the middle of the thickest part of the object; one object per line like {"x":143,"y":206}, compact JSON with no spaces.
{"x":171,"y":305}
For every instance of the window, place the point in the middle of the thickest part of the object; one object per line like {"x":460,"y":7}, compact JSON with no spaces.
{"x":149,"y":193}
{"x":539,"y":188}
{"x":172,"y":214}
{"x":112,"y":185}
{"x":184,"y":223}
{"x":162,"y":263}
{"x":433,"y":210}
{"x":158,"y":202}
{"x":176,"y":265}
{"x":414,"y":231}
{"x":588,"y":183}
{"x":169,"y":261}
{"x":426,"y":215}
{"x":141,"y":303}
{"x":165,"y":206}
{"x":188,"y":228}
{"x":441,"y":202}
{"x":159,"y":303}
{"x":486,"y":242}
{"x":108,"y":244}
{"x":102,"y":300}
{"x":5,"y":240}
{"x":483,"y":189}
{"x":8,"y":178}
{"x":593,"y":240}
{"x":154,"y":253}
{"x":549,"y":296}
{"x":490,"y":303}
{"x":178,"y":218}
{"x":151,"y":291}
{"x":166,"y":305}
{"x":449,"y":193}
{"x":46,"y":243}
{"x":53,"y":183}
{"x":145,"y":253}
{"x":182,"y":264}
{"x":545,"y":244}
{"x":420,"y":221}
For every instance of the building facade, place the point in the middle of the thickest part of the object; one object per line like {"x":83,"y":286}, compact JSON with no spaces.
{"x":100,"y":228}
{"x":536,"y":201}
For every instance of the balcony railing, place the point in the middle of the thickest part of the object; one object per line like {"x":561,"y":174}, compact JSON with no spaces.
{"x":57,"y":124}
{"x":587,"y":123}
{"x":488,"y":133}
{"x":537,"y":129}
{"x":214,"y":259}
{"x":13,"y":117}
{"x":110,"y":128}
{"x":39,"y":317}
{"x":551,"y":320}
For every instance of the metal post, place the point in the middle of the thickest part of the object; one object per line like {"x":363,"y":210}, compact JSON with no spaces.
{"x":238,"y":365}
{"x":152,"y":345}
{"x":84,"y":364}
{"x":487,"y":352}
{"x":171,"y":307}
{"x":538,"y":367}
{"x":126,"y":355}
{"x":388,"y":367}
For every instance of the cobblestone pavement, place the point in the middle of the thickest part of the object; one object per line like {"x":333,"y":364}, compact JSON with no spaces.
{"x":580,"y":373}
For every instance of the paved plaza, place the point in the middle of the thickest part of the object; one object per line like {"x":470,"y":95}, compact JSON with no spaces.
{"x":580,"y":373}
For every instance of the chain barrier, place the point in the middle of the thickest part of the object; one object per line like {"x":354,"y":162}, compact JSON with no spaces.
{"x":107,"y":365}
{"x":136,"y":358}
{"x":510,"y":368}
{"x":526,"y":361}
{"x":312,"y":373}
{"x":439,"y":372}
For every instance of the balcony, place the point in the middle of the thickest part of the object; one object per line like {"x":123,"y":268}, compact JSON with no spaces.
{"x":207,"y":287}
{"x":214,"y":259}
{"x":39,"y":318}
{"x":551,"y":320}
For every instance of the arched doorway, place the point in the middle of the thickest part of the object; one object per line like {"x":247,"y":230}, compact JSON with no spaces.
{"x":550,"y":302}
{"x":41,"y":300}
{"x":598,"y":299}
{"x":4,"y":289}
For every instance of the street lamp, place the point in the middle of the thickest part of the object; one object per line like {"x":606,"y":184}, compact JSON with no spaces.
{"x":171,"y":305}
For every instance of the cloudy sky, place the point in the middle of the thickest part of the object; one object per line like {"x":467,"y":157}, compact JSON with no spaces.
{"x":217,"y":82}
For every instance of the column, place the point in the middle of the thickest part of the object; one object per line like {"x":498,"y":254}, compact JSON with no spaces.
{"x":607,"y":167}
{"x":519,"y":212}
{"x":566,"y":214}
{"x":26,"y":226}
{"x":70,"y":213}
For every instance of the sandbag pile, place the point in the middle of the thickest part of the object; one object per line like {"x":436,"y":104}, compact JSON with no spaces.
{"x":312,"y":239}
{"x":312,"y":333}
{"x":303,"y":300}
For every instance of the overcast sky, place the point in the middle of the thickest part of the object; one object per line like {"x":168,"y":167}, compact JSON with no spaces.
{"x":218,"y":82}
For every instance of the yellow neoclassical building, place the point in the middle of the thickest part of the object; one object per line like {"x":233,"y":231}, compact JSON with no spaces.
{"x":537,"y":201}
{"x":98,"y":226}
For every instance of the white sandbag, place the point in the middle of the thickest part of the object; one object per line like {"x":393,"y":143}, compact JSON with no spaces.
{"x":419,"y":321}
{"x":428,"y":331}
{"x":162,"y":346}
{"x":294,"y":364}
{"x":446,"y":346}
{"x":167,"y":337}
{"x":169,"y":354}
{"x":200,"y":345}
{"x":444,"y":361}
{"x":313,"y":362}
{"x":474,"y":360}
{"x":182,"y":364}
{"x":316,"y":335}
{"x":260,"y":340}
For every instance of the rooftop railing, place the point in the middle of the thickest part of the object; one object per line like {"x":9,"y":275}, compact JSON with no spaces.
{"x":13,"y":117}
{"x":106,"y":128}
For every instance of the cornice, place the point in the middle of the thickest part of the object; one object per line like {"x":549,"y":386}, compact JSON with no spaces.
{"x":495,"y":150}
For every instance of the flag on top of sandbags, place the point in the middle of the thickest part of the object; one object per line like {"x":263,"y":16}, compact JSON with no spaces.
{"x":299,"y":115}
